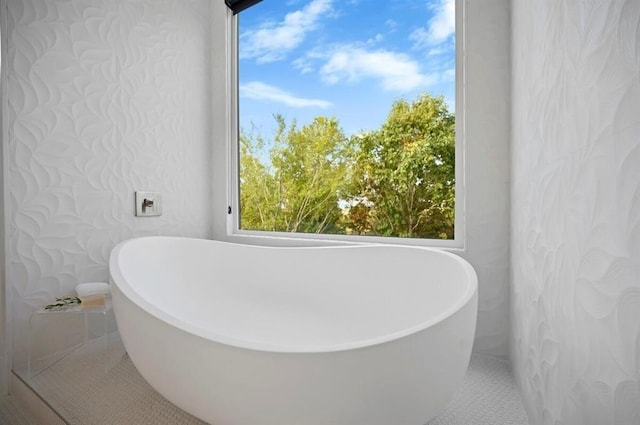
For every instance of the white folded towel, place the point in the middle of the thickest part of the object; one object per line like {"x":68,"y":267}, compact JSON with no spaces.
{"x":91,"y":289}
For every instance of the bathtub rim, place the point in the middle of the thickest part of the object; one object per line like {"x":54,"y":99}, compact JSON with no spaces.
{"x":116,"y":278}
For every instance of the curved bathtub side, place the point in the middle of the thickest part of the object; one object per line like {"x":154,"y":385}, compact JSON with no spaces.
{"x":402,"y":382}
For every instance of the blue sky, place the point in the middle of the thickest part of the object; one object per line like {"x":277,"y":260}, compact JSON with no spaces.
{"x":349,"y":59}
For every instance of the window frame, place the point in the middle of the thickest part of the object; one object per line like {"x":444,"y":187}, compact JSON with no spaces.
{"x":259,"y":237}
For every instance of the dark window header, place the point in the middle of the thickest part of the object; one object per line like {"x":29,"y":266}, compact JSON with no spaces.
{"x":238,"y":6}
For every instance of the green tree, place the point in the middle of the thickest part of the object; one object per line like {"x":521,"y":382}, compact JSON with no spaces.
{"x":403,"y":180}
{"x":258,"y":205}
{"x":395,"y":181}
{"x":301,"y":189}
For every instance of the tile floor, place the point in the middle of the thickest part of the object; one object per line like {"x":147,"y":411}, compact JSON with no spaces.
{"x":10,"y":414}
{"x":83,"y":394}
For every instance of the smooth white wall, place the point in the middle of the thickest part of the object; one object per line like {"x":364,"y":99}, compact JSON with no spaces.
{"x":105,"y":97}
{"x":575,"y":339}
{"x":487,"y":116}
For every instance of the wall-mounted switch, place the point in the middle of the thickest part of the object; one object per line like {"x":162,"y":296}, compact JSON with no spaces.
{"x":148,"y":204}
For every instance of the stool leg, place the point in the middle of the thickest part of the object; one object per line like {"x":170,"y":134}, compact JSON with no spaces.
{"x":106,"y":342}
{"x":29,"y":348}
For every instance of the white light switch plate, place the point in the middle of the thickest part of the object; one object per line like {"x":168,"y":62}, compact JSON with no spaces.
{"x":148,"y":204}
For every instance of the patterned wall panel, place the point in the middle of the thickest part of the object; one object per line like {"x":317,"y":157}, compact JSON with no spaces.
{"x":105,"y":97}
{"x":575,"y":340}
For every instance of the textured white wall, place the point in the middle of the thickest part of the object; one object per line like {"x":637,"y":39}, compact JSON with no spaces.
{"x":4,"y":305}
{"x":575,"y":340}
{"x":105,"y":97}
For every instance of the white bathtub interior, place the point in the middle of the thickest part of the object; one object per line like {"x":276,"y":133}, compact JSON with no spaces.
{"x":296,"y":299}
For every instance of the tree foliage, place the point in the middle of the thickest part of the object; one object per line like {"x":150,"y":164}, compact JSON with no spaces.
{"x":403,"y":182}
{"x":258,"y":194}
{"x":395,"y":181}
{"x":300,"y":191}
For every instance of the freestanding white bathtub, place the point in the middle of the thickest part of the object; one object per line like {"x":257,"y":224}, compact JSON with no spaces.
{"x":246,"y":335}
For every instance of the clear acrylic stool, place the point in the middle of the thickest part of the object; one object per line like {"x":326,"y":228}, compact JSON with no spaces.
{"x":59,"y":333}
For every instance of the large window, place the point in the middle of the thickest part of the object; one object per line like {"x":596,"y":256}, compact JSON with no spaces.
{"x":346,"y":118}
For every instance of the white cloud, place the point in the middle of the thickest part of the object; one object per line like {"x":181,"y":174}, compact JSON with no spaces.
{"x":391,"y":24}
{"x":272,"y":41}
{"x":303,"y":64}
{"x":395,"y":71}
{"x":448,"y":75}
{"x":375,"y":39}
{"x":261,"y":91}
{"x":439,"y":28}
